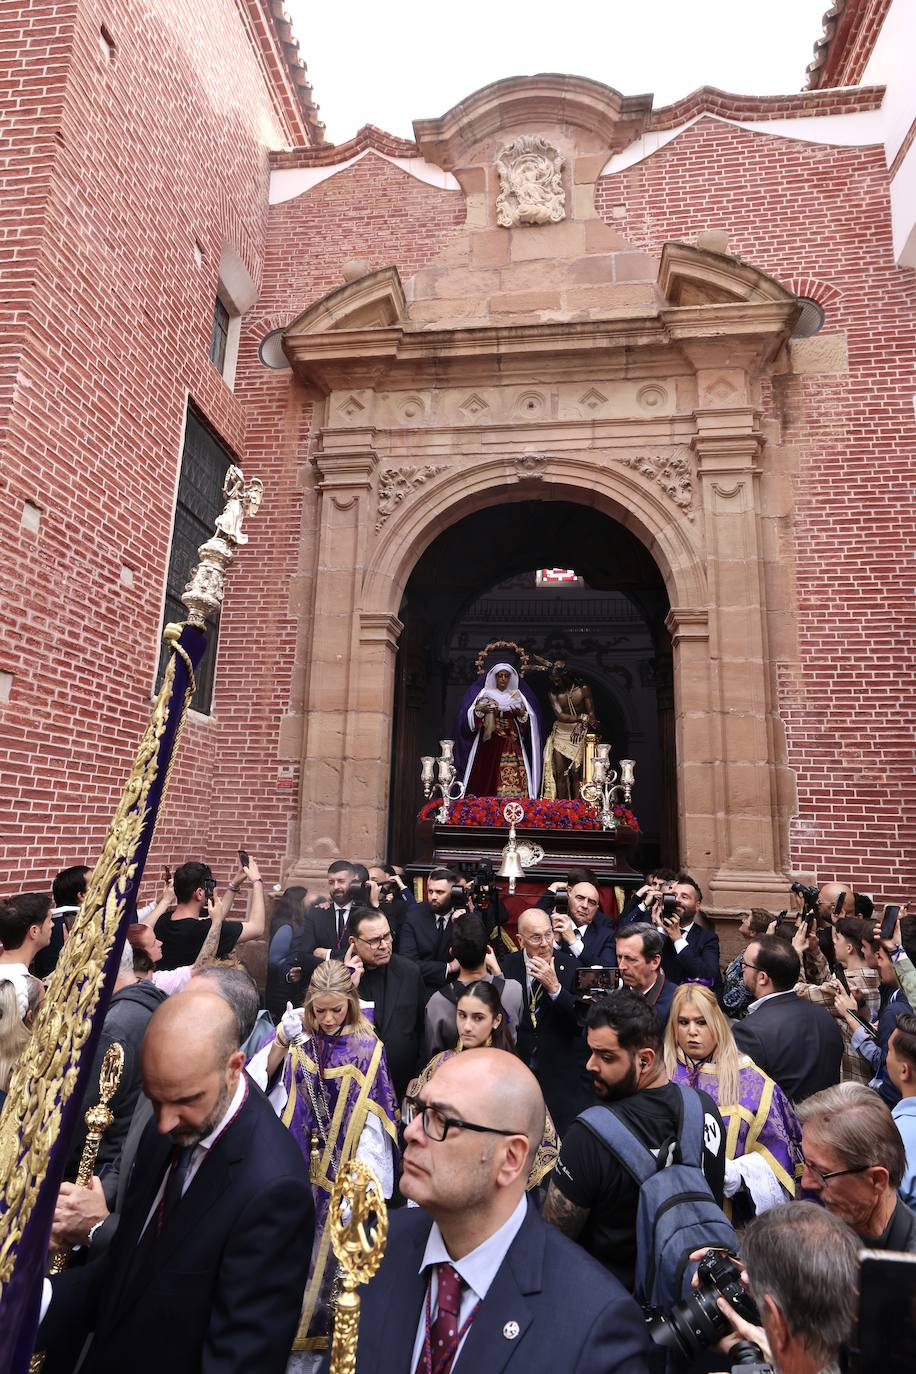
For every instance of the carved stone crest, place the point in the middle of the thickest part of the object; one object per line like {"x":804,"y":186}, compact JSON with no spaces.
{"x":531,"y":187}
{"x":396,"y":484}
{"x":672,"y":473}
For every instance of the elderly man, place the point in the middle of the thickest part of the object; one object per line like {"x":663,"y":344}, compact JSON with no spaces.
{"x":549,"y":1039}
{"x":855,"y":1162}
{"x":472,"y":1271}
{"x":802,"y":1268}
{"x":639,"y":958}
{"x":219,"y":1190}
{"x":585,"y":930}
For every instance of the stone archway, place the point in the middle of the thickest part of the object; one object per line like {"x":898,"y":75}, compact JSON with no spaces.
{"x":438,"y":397}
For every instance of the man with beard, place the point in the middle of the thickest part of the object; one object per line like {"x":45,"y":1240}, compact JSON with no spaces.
{"x":592,"y":1198}
{"x":218,"y":1191}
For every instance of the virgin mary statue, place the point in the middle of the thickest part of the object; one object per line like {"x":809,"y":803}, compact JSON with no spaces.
{"x":498,"y":742}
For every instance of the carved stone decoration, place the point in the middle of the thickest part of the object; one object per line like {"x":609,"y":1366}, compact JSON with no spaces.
{"x":530,"y":465}
{"x":672,"y":472}
{"x":396,"y":484}
{"x":531,"y":186}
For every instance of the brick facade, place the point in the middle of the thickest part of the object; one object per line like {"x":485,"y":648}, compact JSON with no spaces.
{"x":169,"y":141}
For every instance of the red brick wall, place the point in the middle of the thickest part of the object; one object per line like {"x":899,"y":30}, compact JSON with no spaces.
{"x":134,"y":159}
{"x":799,"y":211}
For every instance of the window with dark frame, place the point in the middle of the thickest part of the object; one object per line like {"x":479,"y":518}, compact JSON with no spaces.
{"x":204,"y":463}
{"x":219,"y":334}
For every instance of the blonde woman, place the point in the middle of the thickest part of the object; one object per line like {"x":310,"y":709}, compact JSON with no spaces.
{"x":332,"y":1091}
{"x":763,"y":1137}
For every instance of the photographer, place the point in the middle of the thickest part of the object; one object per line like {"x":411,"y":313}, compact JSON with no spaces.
{"x":646,"y":902}
{"x":184,"y":930}
{"x":855,"y":963}
{"x":801,"y":1266}
{"x":854,"y":1161}
{"x":395,"y":897}
{"x":574,"y":908}
{"x":872,"y":1048}
{"x":691,"y":952}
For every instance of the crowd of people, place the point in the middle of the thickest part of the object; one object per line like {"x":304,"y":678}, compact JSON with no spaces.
{"x":565,"y":1114}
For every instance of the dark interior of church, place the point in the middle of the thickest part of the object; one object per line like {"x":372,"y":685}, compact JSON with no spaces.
{"x":478,"y":583}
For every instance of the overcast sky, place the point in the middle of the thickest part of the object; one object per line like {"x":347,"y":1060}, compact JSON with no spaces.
{"x":388,"y":64}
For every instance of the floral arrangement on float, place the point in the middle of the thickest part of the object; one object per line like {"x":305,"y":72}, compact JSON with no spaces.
{"x":538,"y":814}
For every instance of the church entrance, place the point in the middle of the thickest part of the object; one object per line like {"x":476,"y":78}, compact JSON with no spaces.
{"x":565,"y":582}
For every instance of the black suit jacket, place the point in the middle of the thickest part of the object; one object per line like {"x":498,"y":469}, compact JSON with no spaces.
{"x":398,"y":1017}
{"x":700,"y":960}
{"x":551,"y":1309}
{"x":423,"y":942}
{"x":555,"y":1051}
{"x":319,"y":931}
{"x":220,"y":1291}
{"x":797,"y":1043}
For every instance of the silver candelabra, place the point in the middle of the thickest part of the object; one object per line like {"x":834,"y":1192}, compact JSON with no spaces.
{"x":440,"y":776}
{"x":607,"y":786}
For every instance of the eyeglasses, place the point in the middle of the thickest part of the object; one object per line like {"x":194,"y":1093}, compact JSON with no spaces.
{"x":753,"y":967}
{"x":834,"y":1173}
{"x":378,"y":943}
{"x":545,"y":939}
{"x":436,"y":1125}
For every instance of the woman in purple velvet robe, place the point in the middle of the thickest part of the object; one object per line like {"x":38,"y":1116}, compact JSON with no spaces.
{"x":762,"y":1133}
{"x":333,"y":1092}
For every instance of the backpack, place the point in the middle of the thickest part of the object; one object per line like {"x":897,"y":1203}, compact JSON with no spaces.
{"x":677,"y":1212}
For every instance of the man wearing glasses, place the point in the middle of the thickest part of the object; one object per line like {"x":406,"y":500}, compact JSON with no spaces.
{"x":549,"y":1039}
{"x":472,"y":1271}
{"x":395,"y":987}
{"x":854,"y":1161}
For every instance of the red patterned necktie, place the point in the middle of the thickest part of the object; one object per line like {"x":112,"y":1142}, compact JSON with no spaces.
{"x":445,"y":1329}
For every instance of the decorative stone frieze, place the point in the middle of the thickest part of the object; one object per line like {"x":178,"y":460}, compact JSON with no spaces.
{"x":672,"y":472}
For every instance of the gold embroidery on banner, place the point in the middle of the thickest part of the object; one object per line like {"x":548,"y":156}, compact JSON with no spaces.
{"x":46,"y":1074}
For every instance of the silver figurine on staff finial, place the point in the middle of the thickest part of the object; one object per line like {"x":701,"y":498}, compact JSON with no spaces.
{"x":203,"y":595}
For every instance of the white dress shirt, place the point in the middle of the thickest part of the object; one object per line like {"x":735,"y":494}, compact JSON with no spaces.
{"x":681,"y":943}
{"x":760,"y":1001}
{"x":478,"y":1270}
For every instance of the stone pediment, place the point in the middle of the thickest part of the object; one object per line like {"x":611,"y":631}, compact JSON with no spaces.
{"x":374,"y":301}
{"x":691,"y":276}
{"x":526,"y":103}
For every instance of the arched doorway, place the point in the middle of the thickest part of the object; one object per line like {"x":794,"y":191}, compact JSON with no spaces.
{"x":476,"y":582}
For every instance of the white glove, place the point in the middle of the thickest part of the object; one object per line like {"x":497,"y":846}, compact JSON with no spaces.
{"x":291,"y":1026}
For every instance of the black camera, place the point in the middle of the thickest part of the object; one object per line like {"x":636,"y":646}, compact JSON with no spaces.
{"x":458,"y":897}
{"x":669,"y":904}
{"x":561,"y":902}
{"x":481,"y":887}
{"x":389,"y":891}
{"x":357,"y":893}
{"x":696,"y":1324}
{"x":748,"y":1358}
{"x":808,"y":895}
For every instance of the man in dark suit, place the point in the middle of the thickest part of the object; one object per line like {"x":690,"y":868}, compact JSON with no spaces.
{"x":797,"y":1043}
{"x":426,"y":935}
{"x":394,"y":986}
{"x":218,"y":1191}
{"x":324,"y":930}
{"x":639,"y":958}
{"x":691,"y":953}
{"x":473,"y":1273}
{"x":585,"y":931}
{"x":549,"y":1038}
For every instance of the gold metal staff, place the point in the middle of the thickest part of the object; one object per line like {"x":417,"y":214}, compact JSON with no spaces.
{"x":98,"y":1119}
{"x":359,"y":1244}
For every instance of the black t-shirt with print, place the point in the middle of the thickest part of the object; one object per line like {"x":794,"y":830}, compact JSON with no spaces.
{"x":590,"y":1176}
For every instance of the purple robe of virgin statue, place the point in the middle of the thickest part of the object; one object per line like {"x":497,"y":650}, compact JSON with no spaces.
{"x":315,"y":1075}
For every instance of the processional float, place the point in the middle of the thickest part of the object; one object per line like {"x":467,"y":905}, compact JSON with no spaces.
{"x":41,"y":1110}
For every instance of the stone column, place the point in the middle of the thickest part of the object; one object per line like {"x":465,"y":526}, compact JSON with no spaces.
{"x":738,"y":737}
{"x":340,"y":787}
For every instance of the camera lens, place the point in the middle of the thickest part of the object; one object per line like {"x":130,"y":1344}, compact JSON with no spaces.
{"x":691,"y":1326}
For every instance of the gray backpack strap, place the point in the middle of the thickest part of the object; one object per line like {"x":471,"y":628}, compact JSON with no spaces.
{"x":690,"y":1136}
{"x":621,"y":1141}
